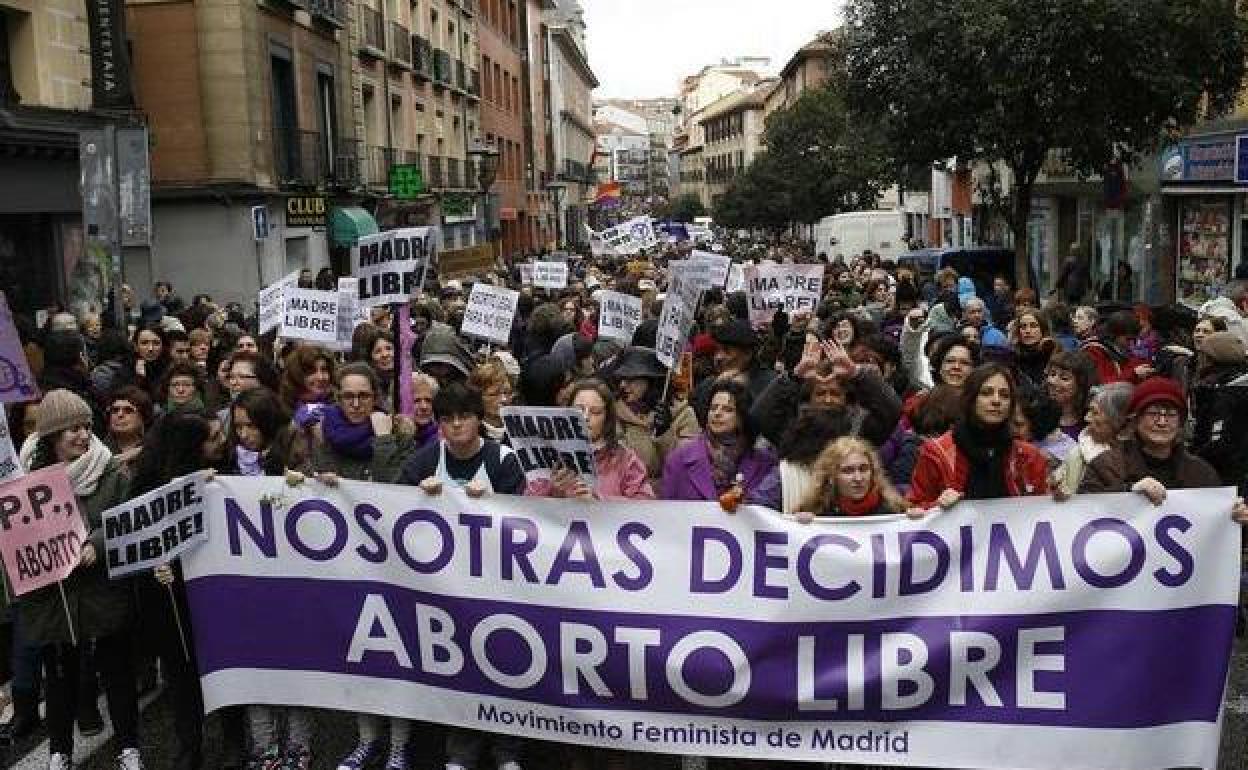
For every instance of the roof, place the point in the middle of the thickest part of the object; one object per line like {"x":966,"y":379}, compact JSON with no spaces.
{"x":815,"y":48}
{"x":738,"y":101}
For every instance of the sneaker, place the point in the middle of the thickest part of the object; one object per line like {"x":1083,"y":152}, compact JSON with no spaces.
{"x":129,"y":759}
{"x":360,"y":757}
{"x":271,"y":760}
{"x":60,"y":762}
{"x":298,"y":758}
{"x":397,"y":759}
{"x":512,"y":765}
{"x":90,"y":722}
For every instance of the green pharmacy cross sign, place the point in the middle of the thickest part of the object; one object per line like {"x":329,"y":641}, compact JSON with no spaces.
{"x":406,"y":181}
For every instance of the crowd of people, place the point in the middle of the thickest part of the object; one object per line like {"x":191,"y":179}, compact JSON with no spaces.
{"x":903,"y":393}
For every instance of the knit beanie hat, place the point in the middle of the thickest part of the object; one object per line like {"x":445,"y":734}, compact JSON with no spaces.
{"x":1157,"y":390}
{"x":1223,"y":348}
{"x":60,"y":410}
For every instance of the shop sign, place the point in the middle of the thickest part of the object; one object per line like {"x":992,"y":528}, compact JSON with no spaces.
{"x":458,"y":208}
{"x":306,"y":211}
{"x":407,"y":182}
{"x":1210,"y":160}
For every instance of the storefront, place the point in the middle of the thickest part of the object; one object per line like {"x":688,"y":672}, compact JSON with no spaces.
{"x":1204,"y":190}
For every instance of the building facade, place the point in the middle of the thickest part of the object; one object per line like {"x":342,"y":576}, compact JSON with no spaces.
{"x":571,"y":142}
{"x":810,"y":68}
{"x":503,"y":107}
{"x":733,"y":129}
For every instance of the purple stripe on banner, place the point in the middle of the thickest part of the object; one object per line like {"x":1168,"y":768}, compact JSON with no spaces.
{"x":1121,"y":669}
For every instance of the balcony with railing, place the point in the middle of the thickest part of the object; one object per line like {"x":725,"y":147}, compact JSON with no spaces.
{"x":332,"y":11}
{"x":372,"y":32}
{"x":399,"y":45}
{"x":435,"y":178}
{"x":377,"y":167}
{"x":441,"y":67}
{"x":461,"y":75}
{"x":422,"y":57}
{"x":298,"y":157}
{"x":346,"y":165}
{"x":454,"y":173}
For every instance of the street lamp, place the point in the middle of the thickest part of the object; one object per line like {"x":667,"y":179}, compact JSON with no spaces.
{"x":558,"y":189}
{"x":485,"y":155}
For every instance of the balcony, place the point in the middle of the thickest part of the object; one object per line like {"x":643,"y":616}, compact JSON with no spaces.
{"x":470,"y":174}
{"x":441,"y":67}
{"x":461,"y":76}
{"x":346,"y":169}
{"x":400,"y":45}
{"x":372,"y":33}
{"x":435,"y":178}
{"x":474,"y":84}
{"x":422,"y":57}
{"x":331,"y":11}
{"x":377,"y":167}
{"x":454,"y":173}
{"x":298,"y":157}
{"x":575,"y":171}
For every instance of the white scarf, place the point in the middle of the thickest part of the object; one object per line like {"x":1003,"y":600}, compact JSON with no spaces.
{"x":85,"y":472}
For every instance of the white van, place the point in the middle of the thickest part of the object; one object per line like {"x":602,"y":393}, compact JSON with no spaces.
{"x":851,"y":234}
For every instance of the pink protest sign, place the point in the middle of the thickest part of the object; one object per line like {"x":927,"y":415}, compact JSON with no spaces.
{"x":16,"y":382}
{"x":41,"y":530}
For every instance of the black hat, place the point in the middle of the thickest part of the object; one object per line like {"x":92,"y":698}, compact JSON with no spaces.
{"x":150,"y":312}
{"x":735,"y":333}
{"x":636,"y":362}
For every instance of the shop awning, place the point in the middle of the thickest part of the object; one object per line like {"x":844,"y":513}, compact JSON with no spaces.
{"x":348,"y":225}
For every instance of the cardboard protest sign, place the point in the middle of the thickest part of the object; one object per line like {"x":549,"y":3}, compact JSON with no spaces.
{"x":791,"y":288}
{"x":677,"y":317}
{"x":550,"y":275}
{"x":270,"y":301}
{"x":619,"y":315}
{"x":310,"y":315}
{"x":549,"y":438}
{"x":154,"y":529}
{"x":41,"y":530}
{"x":389,"y":267}
{"x":490,"y":312}
{"x":350,"y":313}
{"x":475,"y":260}
{"x":17,"y":384}
{"x":696,"y":270}
{"x":718,"y":267}
{"x":526,"y":273}
{"x":10,"y":464}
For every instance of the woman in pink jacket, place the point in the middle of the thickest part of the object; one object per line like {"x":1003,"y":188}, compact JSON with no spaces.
{"x":620,"y":473}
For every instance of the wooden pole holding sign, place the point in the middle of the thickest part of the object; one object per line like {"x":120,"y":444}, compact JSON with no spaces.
{"x":69,"y":620}
{"x":177,"y":619}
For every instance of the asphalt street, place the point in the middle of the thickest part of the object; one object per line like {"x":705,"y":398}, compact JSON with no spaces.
{"x":336,"y":732}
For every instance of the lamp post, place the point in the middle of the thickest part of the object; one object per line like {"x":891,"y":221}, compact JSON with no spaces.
{"x":558,"y":189}
{"x":486,"y":157}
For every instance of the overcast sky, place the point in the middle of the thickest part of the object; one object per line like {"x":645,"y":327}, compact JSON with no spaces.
{"x":641,"y":48}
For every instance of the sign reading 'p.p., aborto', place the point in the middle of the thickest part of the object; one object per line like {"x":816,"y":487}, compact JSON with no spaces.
{"x":41,"y":529}
{"x":155,"y":528}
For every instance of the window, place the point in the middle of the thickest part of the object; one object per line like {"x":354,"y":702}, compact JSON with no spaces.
{"x":285,"y":120}
{"x":488,"y":85}
{"x":326,"y":114}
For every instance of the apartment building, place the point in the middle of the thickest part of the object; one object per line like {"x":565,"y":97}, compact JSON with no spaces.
{"x":503,"y":113}
{"x":568,"y":114}
{"x":733,"y":131}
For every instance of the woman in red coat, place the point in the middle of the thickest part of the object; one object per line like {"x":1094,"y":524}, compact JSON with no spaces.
{"x":981,"y":440}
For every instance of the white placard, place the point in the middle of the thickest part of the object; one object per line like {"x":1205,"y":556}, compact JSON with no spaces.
{"x":350,"y":313}
{"x":270,"y":301}
{"x":718,"y":265}
{"x":526,"y":273}
{"x":791,"y":288}
{"x":619,"y":315}
{"x":154,"y":529}
{"x":677,"y":318}
{"x":736,"y":279}
{"x":390,"y":266}
{"x":550,"y":275}
{"x":549,"y":438}
{"x":310,"y":315}
{"x":490,"y":312}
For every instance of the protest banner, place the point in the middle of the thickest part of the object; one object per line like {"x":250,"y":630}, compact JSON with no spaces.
{"x":1018,"y":633}
{"x":154,"y":529}
{"x":490,"y":312}
{"x":10,"y":463}
{"x":642,"y":231}
{"x":549,"y":438}
{"x":676,"y":318}
{"x":41,"y":529}
{"x":389,"y":267}
{"x":311,"y":315}
{"x":718,"y":266}
{"x":791,"y":288}
{"x":550,"y":275}
{"x":17,"y":384}
{"x":458,"y":263}
{"x":619,"y":315}
{"x":269,"y":301}
{"x":526,"y":273}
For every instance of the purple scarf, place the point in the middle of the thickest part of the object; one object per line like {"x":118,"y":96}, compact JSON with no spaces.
{"x":426,"y":433}
{"x":309,"y":413}
{"x":345,"y":437}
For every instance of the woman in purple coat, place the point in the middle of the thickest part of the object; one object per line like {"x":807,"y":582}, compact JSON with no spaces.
{"x":708,"y":465}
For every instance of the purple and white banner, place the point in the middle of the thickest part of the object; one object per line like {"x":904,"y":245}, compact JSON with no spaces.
{"x":1092,"y":634}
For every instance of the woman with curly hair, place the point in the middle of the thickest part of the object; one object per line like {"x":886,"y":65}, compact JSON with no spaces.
{"x":849,"y":480}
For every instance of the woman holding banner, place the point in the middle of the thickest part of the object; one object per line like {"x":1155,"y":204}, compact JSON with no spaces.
{"x":86,"y":605}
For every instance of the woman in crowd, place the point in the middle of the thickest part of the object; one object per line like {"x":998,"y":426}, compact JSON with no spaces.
{"x":496,"y":392}
{"x":647,"y":424}
{"x":1085,"y":322}
{"x":261,"y":442}
{"x":115,"y":365}
{"x":850,"y":481}
{"x":1069,"y":379}
{"x":130,"y":411}
{"x":1032,"y":344}
{"x":247,"y":343}
{"x":1107,"y":416}
{"x":424,"y":390}
{"x":307,"y":384}
{"x":377,"y":350}
{"x":1111,"y":350}
{"x":1036,"y":418}
{"x":806,"y":437}
{"x":619,"y":472}
{"x":183,"y":442}
{"x":201,"y":347}
{"x":182,"y":388}
{"x":724,"y":457}
{"x":87,"y":605}
{"x":152,"y":358}
{"x":356,"y":439}
{"x":1204,"y":327}
{"x":980,"y":459}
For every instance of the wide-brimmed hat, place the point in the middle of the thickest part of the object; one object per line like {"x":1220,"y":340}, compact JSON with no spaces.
{"x":637,"y":362}
{"x":735,"y":334}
